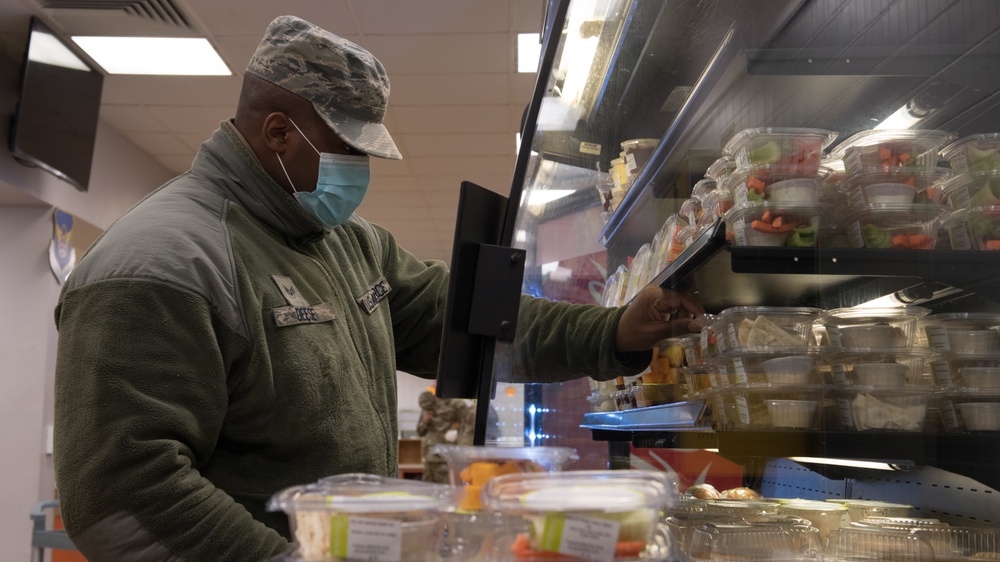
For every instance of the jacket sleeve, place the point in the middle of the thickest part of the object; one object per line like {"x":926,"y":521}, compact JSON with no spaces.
{"x":141,"y":397}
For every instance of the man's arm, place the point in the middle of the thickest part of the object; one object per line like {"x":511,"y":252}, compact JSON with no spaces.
{"x":141,"y":396}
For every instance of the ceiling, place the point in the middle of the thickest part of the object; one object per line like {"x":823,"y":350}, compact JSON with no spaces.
{"x":455,"y":105}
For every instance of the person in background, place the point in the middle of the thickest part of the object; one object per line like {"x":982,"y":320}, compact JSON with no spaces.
{"x":440,"y":421}
{"x":467,"y":431}
{"x":238,"y":331}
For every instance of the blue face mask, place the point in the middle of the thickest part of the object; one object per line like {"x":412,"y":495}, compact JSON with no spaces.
{"x":340,"y":186}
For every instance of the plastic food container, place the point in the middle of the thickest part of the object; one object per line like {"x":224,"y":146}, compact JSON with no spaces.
{"x":982,"y":378}
{"x":775,"y":184}
{"x":908,"y":227}
{"x":882,"y":410}
{"x":698,"y":379}
{"x":656,"y":394}
{"x":470,"y":468}
{"x":356,"y":516}
{"x":798,"y":150}
{"x":973,"y":189}
{"x":743,"y":541}
{"x":824,"y":516}
{"x":898,"y":186}
{"x":948,"y":369}
{"x":721,"y":168}
{"x":767,"y":328}
{"x":703,"y":187}
{"x":974,"y":153}
{"x":771,"y":224}
{"x":881,"y":370}
{"x":963,"y":333}
{"x":776,"y":367}
{"x":794,"y":369}
{"x":861,"y":509}
{"x":637,"y":153}
{"x":638,"y":271}
{"x":748,"y":510}
{"x":890,"y":148}
{"x":872,"y":328}
{"x":967,"y":410}
{"x":877,"y":544}
{"x":961,"y":543}
{"x":763,"y":407}
{"x":976,"y":228}
{"x":595,"y":515}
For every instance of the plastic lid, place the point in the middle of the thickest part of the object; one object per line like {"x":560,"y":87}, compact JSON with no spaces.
{"x":922,"y":178}
{"x":876,"y":544}
{"x":590,"y":490}
{"x":963,"y":320}
{"x":952,"y":149}
{"x":364,"y":493}
{"x":721,"y":168}
{"x":548,"y":458}
{"x":739,"y":139}
{"x":900,"y":215}
{"x":929,"y":139}
{"x":756,"y":207}
{"x":768,"y":311}
{"x":873,"y":315}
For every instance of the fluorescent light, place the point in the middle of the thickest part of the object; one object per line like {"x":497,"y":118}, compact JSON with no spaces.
{"x":843,"y":462}
{"x":47,"y":49}
{"x":543,"y":196}
{"x":180,"y":56}
{"x":902,"y":118}
{"x":887,"y":301}
{"x":517,"y":143}
{"x":529,"y":50}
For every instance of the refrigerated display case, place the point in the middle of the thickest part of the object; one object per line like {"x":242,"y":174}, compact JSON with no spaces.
{"x":649,"y":110}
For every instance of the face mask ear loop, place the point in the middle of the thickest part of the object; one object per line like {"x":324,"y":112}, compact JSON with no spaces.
{"x":287,"y":177}
{"x":303,"y":135}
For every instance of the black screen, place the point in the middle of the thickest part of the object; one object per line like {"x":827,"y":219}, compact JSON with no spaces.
{"x":55,"y":123}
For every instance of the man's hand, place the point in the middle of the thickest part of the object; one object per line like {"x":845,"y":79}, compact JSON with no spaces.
{"x":656,"y":314}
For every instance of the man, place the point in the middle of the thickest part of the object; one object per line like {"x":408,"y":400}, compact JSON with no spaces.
{"x":440,"y":421}
{"x":238,"y":331}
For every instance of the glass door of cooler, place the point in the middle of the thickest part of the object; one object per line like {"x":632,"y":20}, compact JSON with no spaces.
{"x":821,"y":155}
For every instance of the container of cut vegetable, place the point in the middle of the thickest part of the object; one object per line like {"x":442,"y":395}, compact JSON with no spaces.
{"x":769,"y":224}
{"x":365,"y":517}
{"x":974,"y":153}
{"x":797,"y":150}
{"x":886,"y":149}
{"x":898,"y":185}
{"x":776,"y":184}
{"x":974,"y":189}
{"x":908,"y":227}
{"x":977,"y":228}
{"x":596,"y":515}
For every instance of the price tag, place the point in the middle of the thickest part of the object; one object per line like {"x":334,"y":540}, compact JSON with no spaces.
{"x":941,"y":371}
{"x":833,"y":333}
{"x":845,"y":412}
{"x":741,"y":372}
{"x":959,"y":236}
{"x":366,"y":538}
{"x":719,"y":411}
{"x":734,"y":341}
{"x":630,"y":163}
{"x":740,"y":195}
{"x":854,"y":236}
{"x":960,"y":198}
{"x":852,"y":159}
{"x":590,"y":148}
{"x":961,"y":166}
{"x":583,"y":537}
{"x":839,"y":374}
{"x":741,"y":237}
{"x":937,"y":337}
{"x":948,"y":416}
{"x":743,"y":410}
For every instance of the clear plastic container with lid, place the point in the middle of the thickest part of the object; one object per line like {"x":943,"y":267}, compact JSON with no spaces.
{"x":637,"y":153}
{"x":860,"y":509}
{"x":639,"y":271}
{"x":771,"y":224}
{"x":798,"y":150}
{"x":361,"y":516}
{"x":963,"y":333}
{"x":897,"y":186}
{"x":961,"y":543}
{"x":850,"y":544}
{"x":974,"y":153}
{"x":976,"y":228}
{"x":872,"y":329}
{"x":720,"y":169}
{"x":825,"y":516}
{"x":890,"y":148}
{"x":969,"y":409}
{"x":950,"y":369}
{"x":703,"y":187}
{"x":880,"y":369}
{"x":751,"y":543}
{"x":767,"y":407}
{"x":899,"y":226}
{"x":973,"y":189}
{"x":775,"y":184}
{"x":583,"y":515}
{"x":882,"y":410}
{"x":777,"y":367}
{"x":767,"y":328}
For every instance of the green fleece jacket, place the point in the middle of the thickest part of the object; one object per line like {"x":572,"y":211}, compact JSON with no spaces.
{"x":217,"y":345}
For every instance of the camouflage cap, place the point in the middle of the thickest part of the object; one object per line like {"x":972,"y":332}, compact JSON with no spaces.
{"x":346,"y":84}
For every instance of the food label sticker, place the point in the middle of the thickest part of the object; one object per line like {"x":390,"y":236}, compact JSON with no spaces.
{"x":583,"y":537}
{"x":590,"y":148}
{"x":846,"y":413}
{"x":854,"y":236}
{"x":741,"y":237}
{"x":719,"y":411}
{"x":941,"y":371}
{"x":961,"y":166}
{"x":839,"y":374}
{"x":937,"y":336}
{"x":734,"y":341}
{"x":833,"y":332}
{"x":743,"y":410}
{"x":959,"y":236}
{"x":960,"y":198}
{"x":740,"y":195}
{"x":366,"y":538}
{"x":852,"y":160}
{"x":857,"y":198}
{"x":742,"y":158}
{"x":691,"y":354}
{"x":948,"y":415}
{"x":741,"y":372}
{"x":630,"y":163}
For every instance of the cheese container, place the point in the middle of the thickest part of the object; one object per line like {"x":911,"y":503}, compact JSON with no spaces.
{"x":365,"y":517}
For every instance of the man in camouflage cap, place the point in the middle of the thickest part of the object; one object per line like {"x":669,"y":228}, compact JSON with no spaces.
{"x":222,"y":341}
{"x":440,"y":423}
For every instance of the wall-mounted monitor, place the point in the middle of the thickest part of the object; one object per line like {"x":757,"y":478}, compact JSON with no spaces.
{"x":55,"y":122}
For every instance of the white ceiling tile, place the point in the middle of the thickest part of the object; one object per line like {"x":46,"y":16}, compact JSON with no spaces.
{"x":384,"y":167}
{"x":460,"y":145}
{"x":393,"y":183}
{"x":527,"y":15}
{"x":450,"y":89}
{"x":452,"y":53}
{"x":410,"y":226}
{"x":522,"y":86}
{"x":176,"y":164}
{"x":174,"y":90}
{"x":165,"y":144}
{"x":194,"y":140}
{"x":376,"y":196}
{"x":442,"y":212}
{"x":238,"y":17}
{"x":451,"y":119}
{"x":431,"y":16}
{"x":197,"y":119}
{"x":113,"y":93}
{"x":493,"y":173}
{"x":127,"y":118}
{"x":377,"y":212}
